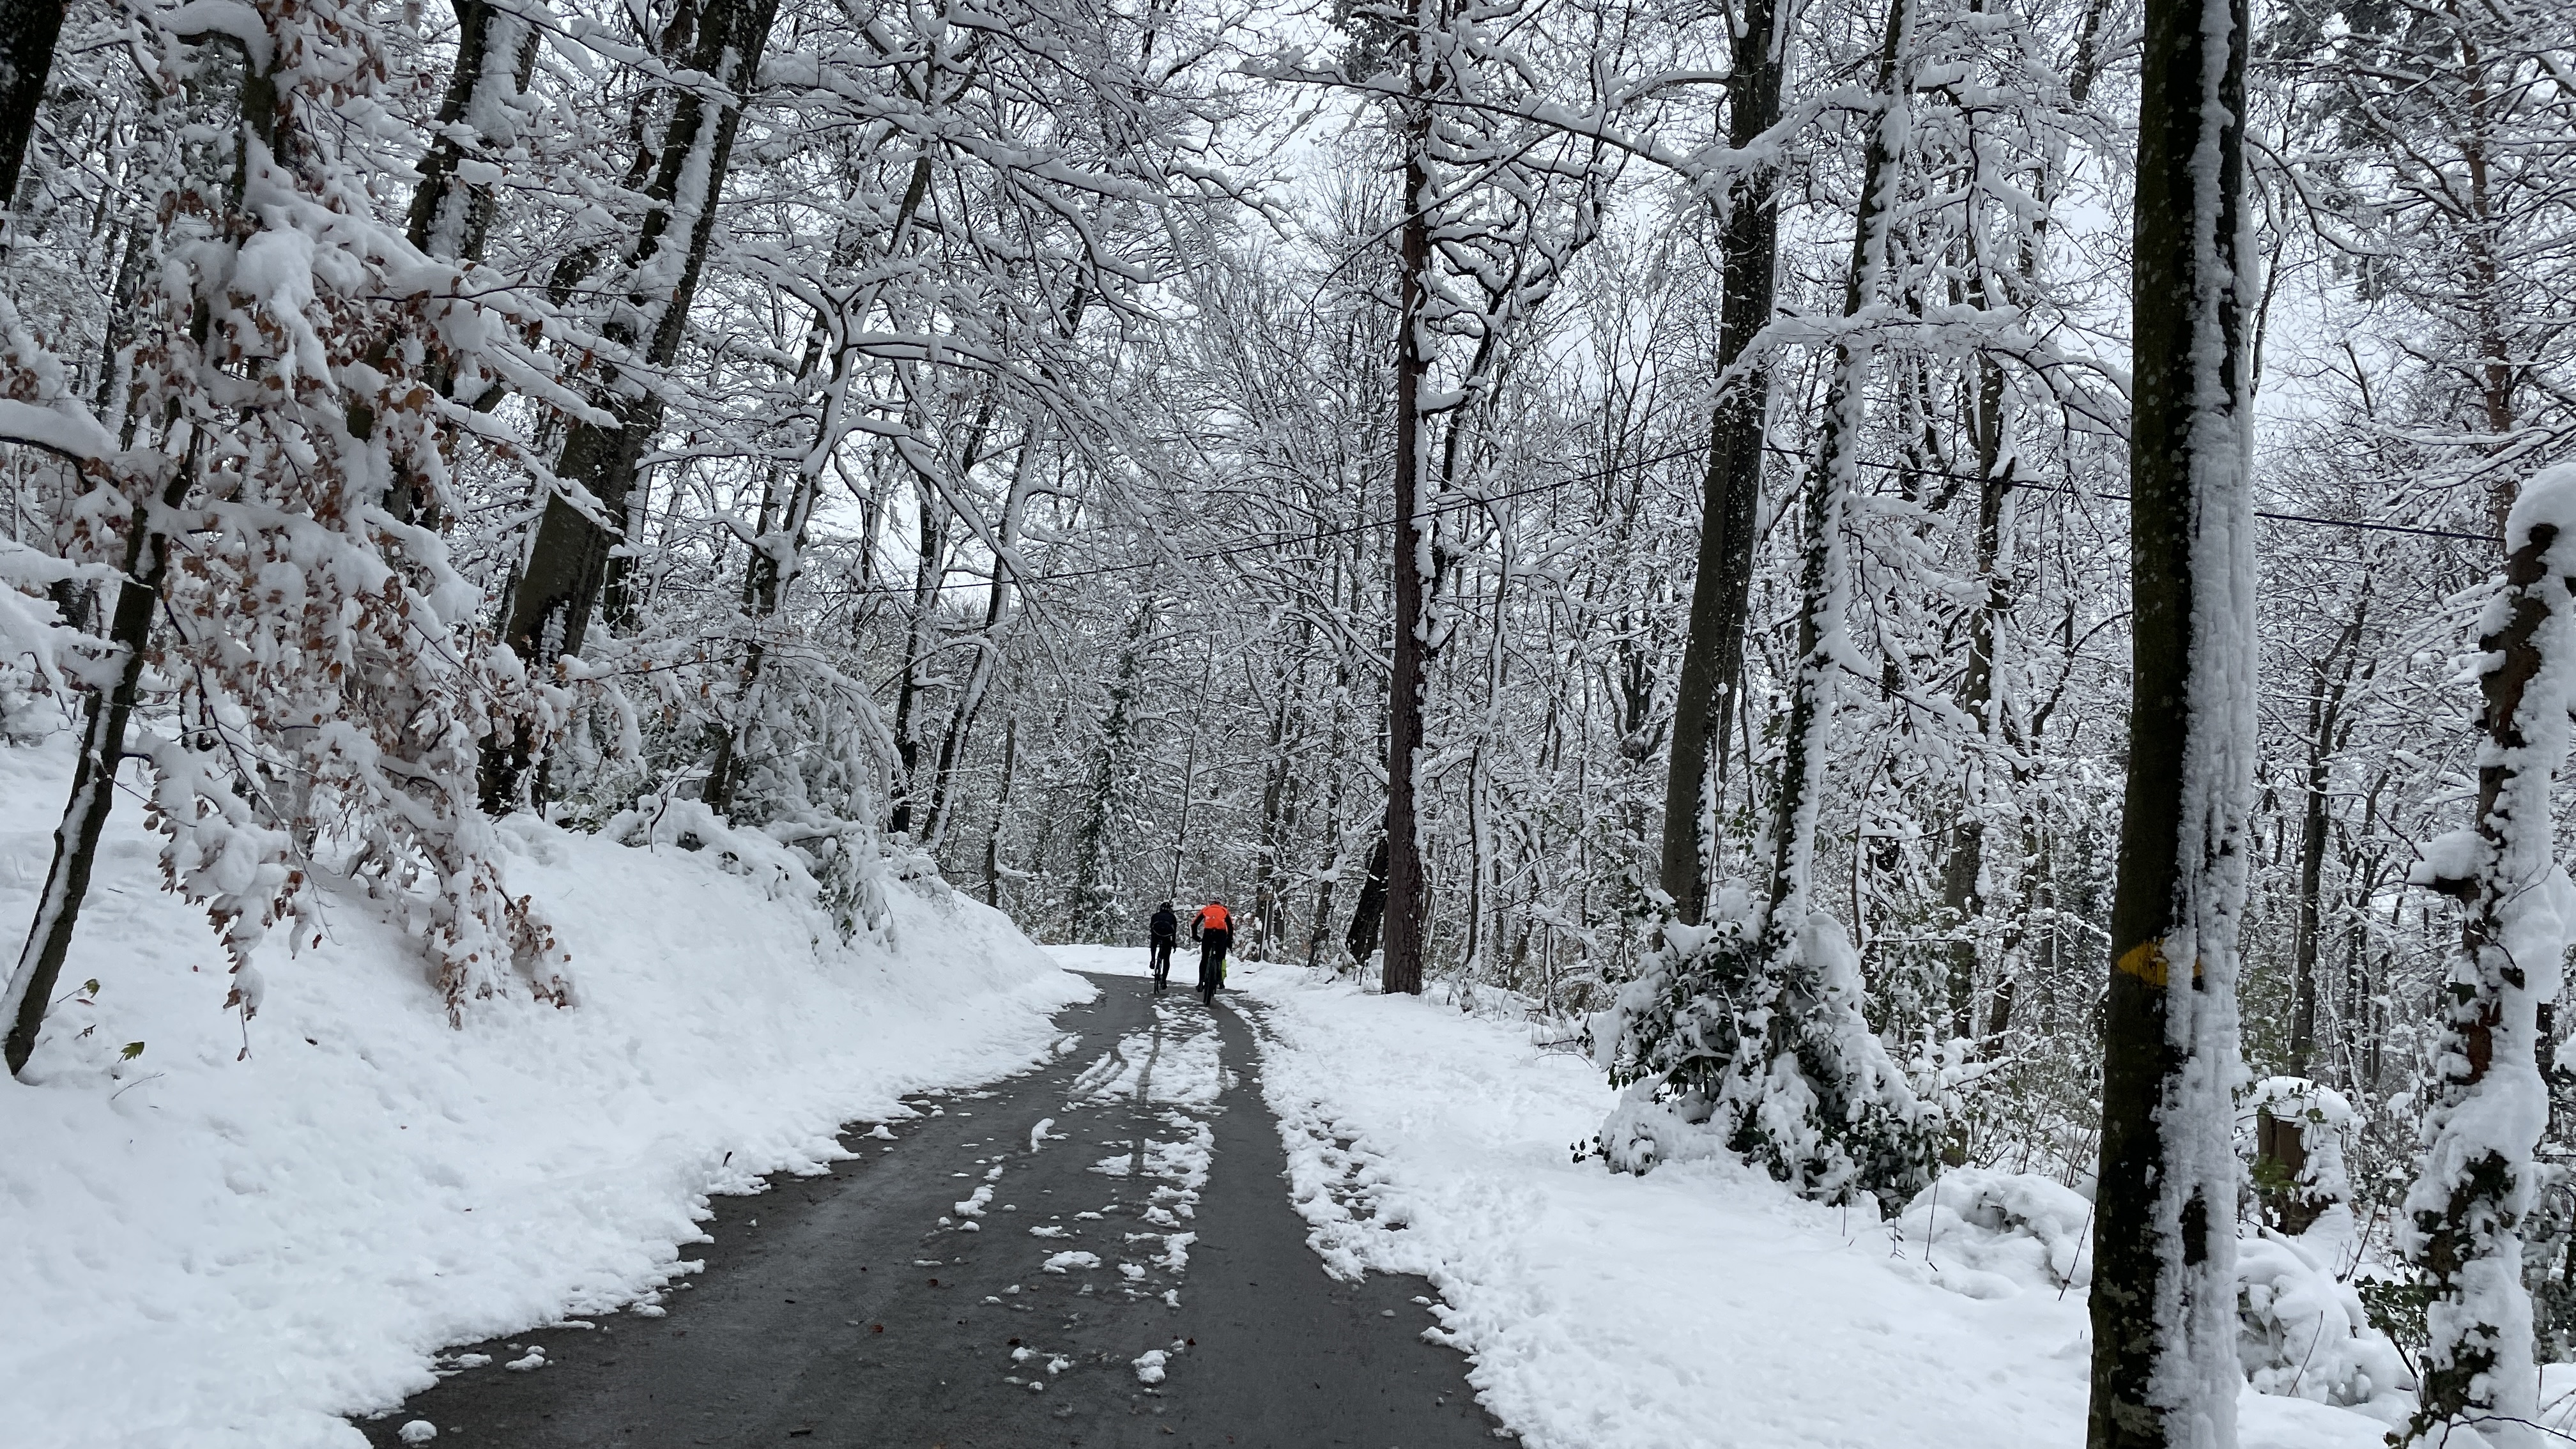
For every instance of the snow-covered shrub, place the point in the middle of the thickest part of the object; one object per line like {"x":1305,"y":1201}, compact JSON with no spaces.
{"x":2020,"y":1225}
{"x":812,"y":768}
{"x":1732,"y":1038}
{"x":2303,"y":1332}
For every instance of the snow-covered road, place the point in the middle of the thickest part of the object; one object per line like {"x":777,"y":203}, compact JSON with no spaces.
{"x":1700,"y":1307}
{"x":1097,"y":1252}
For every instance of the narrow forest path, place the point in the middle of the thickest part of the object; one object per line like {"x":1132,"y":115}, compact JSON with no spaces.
{"x":996,"y":1275}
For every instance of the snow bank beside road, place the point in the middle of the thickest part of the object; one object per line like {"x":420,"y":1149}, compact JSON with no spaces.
{"x":205,"y":1249}
{"x":1700,"y":1307}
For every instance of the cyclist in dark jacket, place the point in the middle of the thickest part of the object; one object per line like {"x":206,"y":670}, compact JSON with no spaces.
{"x":1162,"y":934}
{"x":1213,"y":929}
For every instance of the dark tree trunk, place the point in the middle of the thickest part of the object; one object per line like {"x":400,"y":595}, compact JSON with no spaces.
{"x":1001,"y":811}
{"x":449,"y":218}
{"x":1962,"y":882}
{"x":1704,"y":703}
{"x":929,"y":567}
{"x":569,"y":565}
{"x":2163,"y":1305}
{"x":29,"y":30}
{"x":989,"y":650}
{"x":2325,"y":728}
{"x":102,"y":748}
{"x":1406,"y":899}
{"x":1369,"y":909}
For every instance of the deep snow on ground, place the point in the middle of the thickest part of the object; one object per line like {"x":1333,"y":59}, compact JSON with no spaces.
{"x":1700,"y":1307}
{"x":205,"y":1248}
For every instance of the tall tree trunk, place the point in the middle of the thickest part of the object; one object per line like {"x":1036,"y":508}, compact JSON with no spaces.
{"x":569,"y":565}
{"x":2325,"y":725}
{"x":1963,"y":890}
{"x":1368,"y":910}
{"x":496,"y":52}
{"x":1278,"y":816}
{"x":990,"y":646}
{"x":2164,"y":1370}
{"x":930,"y":566}
{"x":29,"y":30}
{"x":104,"y":717}
{"x":777,"y":556}
{"x":1190,"y":776}
{"x":1001,"y":811}
{"x":1704,"y":700}
{"x":1400,"y":969}
{"x":1808,"y":743}
{"x":1096,"y":907}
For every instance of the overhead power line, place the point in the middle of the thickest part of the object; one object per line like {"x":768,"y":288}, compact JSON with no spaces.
{"x":1288,"y":540}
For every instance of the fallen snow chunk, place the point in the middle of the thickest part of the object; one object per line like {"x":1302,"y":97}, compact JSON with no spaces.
{"x":1988,"y":1231}
{"x":881,"y":1134}
{"x":973,"y":1207}
{"x":1046,"y":1230}
{"x":418,"y":1431}
{"x":1038,"y":1134}
{"x":1075,"y":1258}
{"x":1149,"y":1366}
{"x":1176,"y":1250}
{"x":472,"y":1360}
{"x":1172,"y":1297}
{"x":1131,"y":1271}
{"x":535,"y":1360}
{"x":650,"y":1310}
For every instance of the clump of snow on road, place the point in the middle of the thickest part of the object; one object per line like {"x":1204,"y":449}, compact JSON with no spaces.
{"x":232,"y":1251}
{"x":1074,"y":1258}
{"x":1178,"y":1061}
{"x":1600,"y":1308}
{"x":1149,"y":1366}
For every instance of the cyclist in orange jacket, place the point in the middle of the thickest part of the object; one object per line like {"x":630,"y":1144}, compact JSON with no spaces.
{"x":1213,"y":929}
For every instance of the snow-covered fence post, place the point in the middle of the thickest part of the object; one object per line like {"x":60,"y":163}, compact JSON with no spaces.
{"x":2462,"y":1225}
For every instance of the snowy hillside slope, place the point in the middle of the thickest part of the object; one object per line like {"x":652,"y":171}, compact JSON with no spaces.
{"x":1699,"y":1307}
{"x":203,"y":1248}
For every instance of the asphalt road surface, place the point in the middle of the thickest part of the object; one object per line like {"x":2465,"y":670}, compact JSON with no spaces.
{"x":991,"y":1276}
